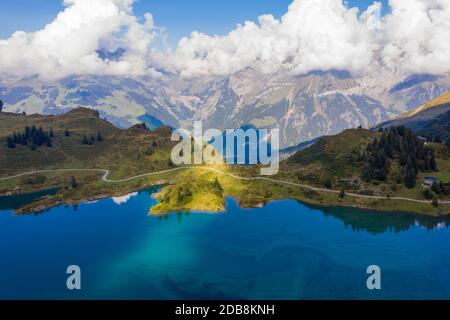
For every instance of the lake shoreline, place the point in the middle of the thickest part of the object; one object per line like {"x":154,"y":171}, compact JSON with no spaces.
{"x":207,"y":189}
{"x":47,"y":202}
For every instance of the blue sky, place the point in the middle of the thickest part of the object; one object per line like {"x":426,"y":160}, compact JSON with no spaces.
{"x":179,"y":17}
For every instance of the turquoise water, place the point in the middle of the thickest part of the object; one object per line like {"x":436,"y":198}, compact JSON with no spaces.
{"x":284,"y":251}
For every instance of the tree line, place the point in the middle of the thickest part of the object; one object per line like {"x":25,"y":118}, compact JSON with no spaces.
{"x":91,"y":140}
{"x":32,"y":137}
{"x":398,"y":144}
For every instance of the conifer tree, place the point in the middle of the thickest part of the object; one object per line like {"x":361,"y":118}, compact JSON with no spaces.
{"x":10,"y":143}
{"x":73,"y":183}
{"x":410,"y":177}
{"x":99,"y":137}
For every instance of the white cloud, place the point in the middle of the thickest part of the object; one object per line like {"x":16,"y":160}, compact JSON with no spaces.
{"x":326,"y":34}
{"x":417,"y":36}
{"x":69,"y":43}
{"x":313,"y":34}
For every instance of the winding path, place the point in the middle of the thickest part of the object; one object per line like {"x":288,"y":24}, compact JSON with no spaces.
{"x":107,"y":172}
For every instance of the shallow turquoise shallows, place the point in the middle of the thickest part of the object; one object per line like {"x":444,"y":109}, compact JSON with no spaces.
{"x":286,"y":250}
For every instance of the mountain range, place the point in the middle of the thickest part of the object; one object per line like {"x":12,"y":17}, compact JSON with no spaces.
{"x":304,"y":107}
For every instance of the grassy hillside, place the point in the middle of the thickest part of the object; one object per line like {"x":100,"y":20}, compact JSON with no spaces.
{"x":124,"y":152}
{"x":340,"y":163}
{"x":333,"y":156}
